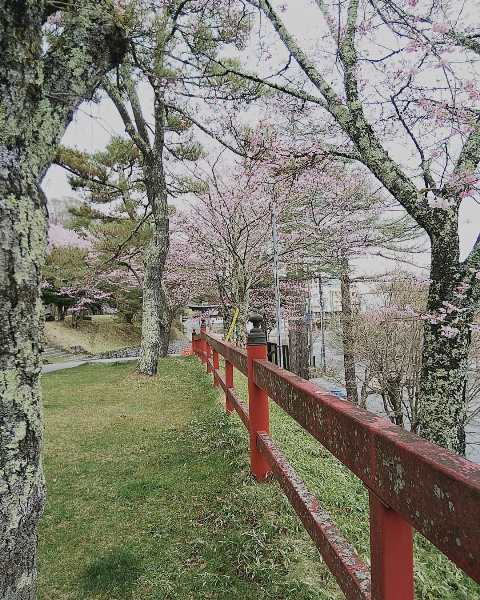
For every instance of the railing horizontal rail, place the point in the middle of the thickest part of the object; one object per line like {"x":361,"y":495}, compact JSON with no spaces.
{"x":239,"y":406}
{"x":436,"y":491}
{"x":232,"y":395}
{"x":411,"y":482}
{"x":351,"y":572}
{"x":235,"y":355}
{"x":221,"y":380}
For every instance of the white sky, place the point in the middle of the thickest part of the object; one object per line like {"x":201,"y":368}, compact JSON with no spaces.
{"x":93,"y":125}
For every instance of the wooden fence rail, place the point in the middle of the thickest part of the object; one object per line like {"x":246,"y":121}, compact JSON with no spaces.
{"x":412,"y":483}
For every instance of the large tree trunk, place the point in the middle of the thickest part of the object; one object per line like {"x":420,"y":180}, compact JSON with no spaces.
{"x":445,"y":359}
{"x":154,"y":320}
{"x":442,"y":402}
{"x":39,"y":92}
{"x":155,"y":330}
{"x":348,"y":333}
{"x":23,"y":230}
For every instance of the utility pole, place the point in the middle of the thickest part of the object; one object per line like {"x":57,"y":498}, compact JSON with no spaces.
{"x":323,"y":360}
{"x":273,"y":213}
{"x":309,"y":324}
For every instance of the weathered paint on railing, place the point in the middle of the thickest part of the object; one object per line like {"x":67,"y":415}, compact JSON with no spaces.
{"x":351,"y":572}
{"x":233,"y":398}
{"x":435,"y":490}
{"x":234,"y":355}
{"x":410,"y":480}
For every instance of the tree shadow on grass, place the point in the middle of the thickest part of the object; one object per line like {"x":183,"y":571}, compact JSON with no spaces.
{"x":116,"y":572}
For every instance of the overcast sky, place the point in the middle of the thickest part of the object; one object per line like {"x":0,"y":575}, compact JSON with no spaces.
{"x":94,"y":124}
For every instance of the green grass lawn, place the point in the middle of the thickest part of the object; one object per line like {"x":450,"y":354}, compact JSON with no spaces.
{"x":150,"y":497}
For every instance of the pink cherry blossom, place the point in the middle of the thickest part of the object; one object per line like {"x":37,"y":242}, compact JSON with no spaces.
{"x":440,"y":27}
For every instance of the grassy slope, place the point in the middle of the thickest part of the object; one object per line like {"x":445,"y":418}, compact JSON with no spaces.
{"x":150,"y":497}
{"x":103,"y":333}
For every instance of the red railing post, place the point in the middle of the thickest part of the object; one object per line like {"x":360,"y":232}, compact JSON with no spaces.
{"x":216,"y":366}
{"x":229,"y":384}
{"x":391,"y":553}
{"x":257,"y":398}
{"x":203,"y":341}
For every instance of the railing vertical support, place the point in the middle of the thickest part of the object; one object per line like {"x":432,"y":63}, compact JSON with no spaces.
{"x":194,"y":342}
{"x":209,"y":356}
{"x":257,"y":398}
{"x":229,"y":384}
{"x":203,"y":341}
{"x":216,"y":366}
{"x":391,"y":552}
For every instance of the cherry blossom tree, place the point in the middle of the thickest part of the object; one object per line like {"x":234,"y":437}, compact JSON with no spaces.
{"x":229,"y":224}
{"x":293,"y":298}
{"x":399,"y":94}
{"x":166,"y":63}
{"x":346,"y":219}
{"x":333,"y":215}
{"x":64,"y":266}
{"x":184,"y":281}
{"x":388,"y":340}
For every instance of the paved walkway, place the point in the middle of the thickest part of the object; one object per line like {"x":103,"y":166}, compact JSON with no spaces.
{"x":76,"y":363}
{"x":175,"y":349}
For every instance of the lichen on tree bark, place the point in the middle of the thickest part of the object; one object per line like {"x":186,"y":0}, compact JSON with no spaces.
{"x":155,"y":330}
{"x":444,"y":358}
{"x":40,"y":87}
{"x":347,"y":332}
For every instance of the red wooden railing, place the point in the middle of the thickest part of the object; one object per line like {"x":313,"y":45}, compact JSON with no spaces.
{"x":412,"y":483}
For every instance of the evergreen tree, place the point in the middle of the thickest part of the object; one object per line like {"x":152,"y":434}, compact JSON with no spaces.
{"x":169,"y":61}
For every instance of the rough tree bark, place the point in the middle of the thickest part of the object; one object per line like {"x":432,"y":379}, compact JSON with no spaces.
{"x":155,"y":330}
{"x":444,"y":358}
{"x":348,"y":333}
{"x":299,"y":349}
{"x":39,"y":91}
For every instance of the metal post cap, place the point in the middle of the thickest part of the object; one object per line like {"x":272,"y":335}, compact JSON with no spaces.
{"x":256,"y":335}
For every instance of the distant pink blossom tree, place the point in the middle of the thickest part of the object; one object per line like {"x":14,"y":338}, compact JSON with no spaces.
{"x":229,"y":225}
